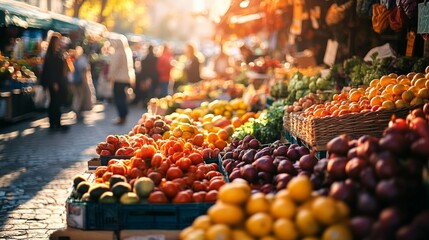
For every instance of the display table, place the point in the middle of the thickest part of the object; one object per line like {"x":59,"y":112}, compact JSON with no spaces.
{"x":16,"y":104}
{"x":77,"y":234}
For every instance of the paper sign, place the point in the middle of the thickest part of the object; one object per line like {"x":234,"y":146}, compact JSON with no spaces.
{"x":331,"y":52}
{"x":411,"y":37}
{"x":423,"y":18}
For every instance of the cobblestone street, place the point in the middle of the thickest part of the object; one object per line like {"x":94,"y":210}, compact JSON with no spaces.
{"x":37,"y":168}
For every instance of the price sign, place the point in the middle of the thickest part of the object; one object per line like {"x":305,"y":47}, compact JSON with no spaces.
{"x":331,"y":52}
{"x":423,"y":18}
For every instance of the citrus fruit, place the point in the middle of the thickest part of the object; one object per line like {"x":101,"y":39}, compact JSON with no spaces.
{"x":408,"y":95}
{"x":324,"y":210}
{"x":259,"y":224}
{"x":257,"y":203}
{"x":241,"y":234}
{"x":423,"y":93}
{"x":202,"y":222}
{"x":416,"y":101}
{"x":284,"y":228}
{"x":306,"y":223}
{"x":234,"y":193}
{"x":224,"y":213}
{"x":300,"y":188}
{"x":283,"y":208}
{"x":219,"y":231}
{"x":388,"y":104}
{"x":337,"y":232}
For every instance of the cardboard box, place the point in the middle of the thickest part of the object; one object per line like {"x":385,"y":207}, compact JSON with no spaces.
{"x":94,"y":163}
{"x":305,"y":59}
{"x":76,"y":234}
{"x":149,"y":234}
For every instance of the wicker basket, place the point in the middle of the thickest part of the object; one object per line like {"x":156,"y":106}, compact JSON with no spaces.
{"x":317,"y":132}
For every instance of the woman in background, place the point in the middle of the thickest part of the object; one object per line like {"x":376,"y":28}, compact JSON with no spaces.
{"x":121,"y":74}
{"x":164,"y":68}
{"x":53,"y":77}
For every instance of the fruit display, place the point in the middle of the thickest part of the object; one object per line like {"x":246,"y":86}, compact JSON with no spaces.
{"x":267,"y":168}
{"x":267,"y":127}
{"x":383,"y":180}
{"x":174,"y":173}
{"x":292,"y":213}
{"x":389,"y":92}
{"x":300,"y":86}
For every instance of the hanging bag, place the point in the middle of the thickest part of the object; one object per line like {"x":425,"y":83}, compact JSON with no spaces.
{"x":397,"y":18}
{"x":380,"y":17}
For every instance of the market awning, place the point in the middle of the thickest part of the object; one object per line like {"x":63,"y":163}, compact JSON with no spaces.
{"x":14,"y":13}
{"x":94,"y":28}
{"x":65,"y":24}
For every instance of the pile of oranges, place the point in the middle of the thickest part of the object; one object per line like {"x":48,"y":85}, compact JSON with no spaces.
{"x":292,"y":213}
{"x":389,"y":92}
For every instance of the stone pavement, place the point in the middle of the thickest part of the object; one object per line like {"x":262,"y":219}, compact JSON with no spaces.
{"x":37,"y":168}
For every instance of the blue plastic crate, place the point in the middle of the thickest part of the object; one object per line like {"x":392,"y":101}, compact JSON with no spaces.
{"x":105,"y":159}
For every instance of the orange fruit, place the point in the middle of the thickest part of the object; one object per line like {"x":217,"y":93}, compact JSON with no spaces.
{"x":376,"y":101}
{"x":427,"y":83}
{"x":393,"y":75}
{"x":241,"y":234}
{"x":389,"y":88}
{"x":212,"y":137}
{"x":337,"y":232}
{"x":354,"y":107}
{"x":224,"y":213}
{"x":374,"y":82}
{"x":386,"y":80}
{"x":408,"y":95}
{"x":300,"y":188}
{"x":398,"y":89}
{"x":420,"y":83}
{"x":219,"y":231}
{"x":259,"y":224}
{"x":234,"y":193}
{"x":223,"y":134}
{"x":343,"y":210}
{"x":201,"y":222}
{"x":405,"y":81}
{"x":410,"y":75}
{"x":388,"y":104}
{"x":423,"y":93}
{"x":306,"y":223}
{"x":414,"y":89}
{"x":400,"y":103}
{"x":373,"y":92}
{"x":416,"y":77}
{"x":416,"y":101}
{"x":191,"y":233}
{"x":283,"y":207}
{"x":198,"y":139}
{"x":284,"y":228}
{"x":236,"y":122}
{"x":355,"y":96}
{"x":221,"y":144}
{"x":177,"y":132}
{"x":283,"y":193}
{"x":324,"y":210}
{"x":257,"y":203}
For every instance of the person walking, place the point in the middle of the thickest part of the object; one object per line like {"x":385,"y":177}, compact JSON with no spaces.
{"x":53,"y":77}
{"x":121,"y":74}
{"x":147,"y":78}
{"x":192,"y":68}
{"x":82,"y":85}
{"x":222,"y":64}
{"x":164,"y":68}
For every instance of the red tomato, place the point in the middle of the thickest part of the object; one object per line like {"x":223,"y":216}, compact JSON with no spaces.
{"x":173,"y":173}
{"x":196,"y":158}
{"x":178,"y":147}
{"x":147,"y":151}
{"x":181,"y":183}
{"x":106,"y":176}
{"x":199,"y":196}
{"x":156,"y":177}
{"x":192,"y":169}
{"x":112,"y":139}
{"x":184,"y":163}
{"x":170,"y":189}
{"x":157,"y":160}
{"x":217,"y":177}
{"x":213,"y":174}
{"x":200,"y":175}
{"x":113,"y":161}
{"x":182,"y":197}
{"x":118,"y":169}
{"x":204,"y":168}
{"x":138,"y":163}
{"x":164,"y":167}
{"x":216,"y":184}
{"x":211,"y":196}
{"x":135,"y":173}
{"x":105,"y":152}
{"x":149,"y":123}
{"x":157,"y":197}
{"x":124,"y":151}
{"x":199,"y":186}
{"x":99,"y":171}
{"x":189,"y":180}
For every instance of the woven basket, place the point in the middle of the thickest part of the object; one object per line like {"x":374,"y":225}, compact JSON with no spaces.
{"x":317,"y":132}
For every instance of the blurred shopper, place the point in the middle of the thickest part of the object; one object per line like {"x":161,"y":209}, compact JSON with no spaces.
{"x":147,"y":78}
{"x":164,"y":69}
{"x":104,"y":87}
{"x":53,"y":78}
{"x":222,"y":64}
{"x":192,"y":67}
{"x":247,"y":54}
{"x":121,"y":74}
{"x":81,"y":84}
